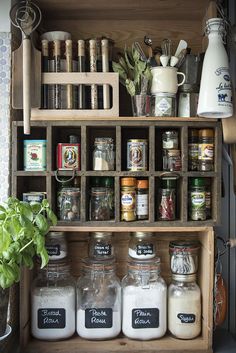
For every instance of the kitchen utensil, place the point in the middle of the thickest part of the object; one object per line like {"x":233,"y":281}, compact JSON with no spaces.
{"x":181,"y":57}
{"x":191,"y":67}
{"x":182,"y":45}
{"x":105,"y":68}
{"x":166,"y":47}
{"x":69,"y":68}
{"x":93,"y":68}
{"x":148,"y":41}
{"x":81,"y":68}
{"x":26,"y":16}
{"x":164,"y":59}
{"x":173,"y":60}
{"x":57,"y":68}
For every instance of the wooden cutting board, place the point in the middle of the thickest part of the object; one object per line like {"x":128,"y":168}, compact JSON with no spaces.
{"x":229,"y":125}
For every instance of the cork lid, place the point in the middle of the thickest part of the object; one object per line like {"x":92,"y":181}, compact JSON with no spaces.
{"x":128,"y":182}
{"x":206,"y":133}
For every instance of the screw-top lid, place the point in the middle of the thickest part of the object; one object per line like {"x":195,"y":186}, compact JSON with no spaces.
{"x":142,"y":184}
{"x":100,"y":235}
{"x":141,"y":234}
{"x":198,"y":182}
{"x":206,"y":133}
{"x":96,"y":181}
{"x":181,"y":245}
{"x":108,"y":182}
{"x":73,"y":139}
{"x":168,"y":182}
{"x":185,"y":278}
{"x":128,"y":181}
{"x":55,"y":235}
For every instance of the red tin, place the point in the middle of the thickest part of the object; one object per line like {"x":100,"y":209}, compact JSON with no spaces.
{"x":68,"y":156}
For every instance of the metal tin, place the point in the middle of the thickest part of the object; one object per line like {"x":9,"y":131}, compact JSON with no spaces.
{"x":137,"y":154}
{"x":163,"y":104}
{"x":68,"y":156}
{"x":34,"y":196}
{"x":35,"y":155}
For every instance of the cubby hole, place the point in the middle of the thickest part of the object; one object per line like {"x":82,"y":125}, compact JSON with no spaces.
{"x":210,"y":199}
{"x":36,"y":133}
{"x":168,"y":204}
{"x":98,"y":132}
{"x":103,"y":201}
{"x":61,"y":134}
{"x":159,"y":151}
{"x":134,"y":133}
{"x":26,"y":184}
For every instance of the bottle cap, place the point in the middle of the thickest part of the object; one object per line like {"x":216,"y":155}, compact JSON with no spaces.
{"x":142,"y":184}
{"x":198,"y":182}
{"x":108,"y":182}
{"x":128,"y":182}
{"x":73,"y":139}
{"x":184,"y":278}
{"x":206,"y":133}
{"x":168,"y":182}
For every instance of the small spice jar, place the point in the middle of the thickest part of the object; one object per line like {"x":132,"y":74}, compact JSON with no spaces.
{"x":167,"y":199}
{"x":137,"y":150}
{"x":99,"y":206}
{"x":170,"y":140}
{"x":206,"y":150}
{"x":142,"y":202}
{"x":197,"y":199}
{"x":100,"y":245}
{"x":184,"y":257}
{"x":193,"y":149}
{"x":184,"y":307}
{"x":69,"y":204}
{"x":144,"y":297}
{"x":142,"y":246}
{"x":171,"y":160}
{"x":128,"y":199}
{"x":56,"y":245}
{"x":98,"y":301}
{"x":53,"y":300}
{"x":103,"y":154}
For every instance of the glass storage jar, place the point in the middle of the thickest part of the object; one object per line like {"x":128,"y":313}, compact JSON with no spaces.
{"x":144,"y":298}
{"x":99,"y":207}
{"x":193,"y":149}
{"x":69,"y":204}
{"x":167,"y":199}
{"x":142,"y":245}
{"x":184,"y":257}
{"x":103,"y":154}
{"x":184,"y":307}
{"x":56,"y":245}
{"x":53,"y":301}
{"x":128,"y":199}
{"x":170,"y":140}
{"x":197,"y":199}
{"x":98,"y":301}
{"x":100,"y":245}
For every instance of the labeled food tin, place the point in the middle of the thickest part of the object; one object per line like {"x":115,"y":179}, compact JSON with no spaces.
{"x":34,"y":196}
{"x":35,"y":155}
{"x":68,"y":156}
{"x":137,"y":154}
{"x":163,"y":104}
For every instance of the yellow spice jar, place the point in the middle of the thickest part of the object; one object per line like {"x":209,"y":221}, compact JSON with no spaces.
{"x":128,"y":199}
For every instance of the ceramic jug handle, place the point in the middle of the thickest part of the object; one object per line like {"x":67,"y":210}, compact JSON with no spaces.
{"x":181,"y":74}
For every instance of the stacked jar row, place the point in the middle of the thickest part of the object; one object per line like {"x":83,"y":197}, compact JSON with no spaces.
{"x":134,"y":199}
{"x":137,"y":306}
{"x":135,"y":152}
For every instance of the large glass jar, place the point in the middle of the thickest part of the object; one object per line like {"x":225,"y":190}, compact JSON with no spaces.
{"x":53,"y":301}
{"x":56,"y":245}
{"x":103,"y":154}
{"x":100,"y":245}
{"x":69,"y":204}
{"x":142,"y":245}
{"x":99,"y":208}
{"x":144,"y":297}
{"x":98,"y":301}
{"x":184,"y":307}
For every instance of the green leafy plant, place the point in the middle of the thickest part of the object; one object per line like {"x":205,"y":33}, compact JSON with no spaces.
{"x":23,"y":227}
{"x":134,"y":73}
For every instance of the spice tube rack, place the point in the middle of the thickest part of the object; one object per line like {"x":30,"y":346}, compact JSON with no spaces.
{"x":78,"y":244}
{"x":82,"y":78}
{"x":121,"y":131}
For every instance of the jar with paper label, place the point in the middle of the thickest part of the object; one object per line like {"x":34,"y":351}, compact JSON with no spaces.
{"x":197,"y":199}
{"x":142,"y":200}
{"x":53,"y":298}
{"x":98,"y":301}
{"x":144,"y":301}
{"x":100,"y":245}
{"x":128,"y":199}
{"x":103,"y":154}
{"x":56,"y":245}
{"x":193,"y":149}
{"x":142,"y":245}
{"x":184,"y":307}
{"x":206,"y":150}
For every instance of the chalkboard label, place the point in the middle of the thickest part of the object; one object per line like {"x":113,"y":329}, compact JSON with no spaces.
{"x":145,"y":318}
{"x":102,"y":250}
{"x":98,"y":318}
{"x":51,"y":318}
{"x":145,"y":249}
{"x":186,"y":318}
{"x":53,"y":250}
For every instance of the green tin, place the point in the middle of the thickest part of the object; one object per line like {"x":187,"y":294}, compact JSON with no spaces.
{"x":35,"y":155}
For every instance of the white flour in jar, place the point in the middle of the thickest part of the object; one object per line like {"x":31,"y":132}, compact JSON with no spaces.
{"x":184,"y":315}
{"x":148,"y":297}
{"x":53,"y":312}
{"x":133,"y":253}
{"x":98,"y":333}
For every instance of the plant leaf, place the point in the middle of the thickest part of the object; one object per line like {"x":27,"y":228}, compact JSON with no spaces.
{"x":42,"y":224}
{"x":130,"y":87}
{"x":51,"y":215}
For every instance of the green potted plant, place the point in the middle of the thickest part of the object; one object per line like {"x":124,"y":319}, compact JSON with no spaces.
{"x":23,"y":227}
{"x":135,"y":74}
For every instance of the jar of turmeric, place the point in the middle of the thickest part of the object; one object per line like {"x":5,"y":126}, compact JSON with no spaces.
{"x":128,"y":199}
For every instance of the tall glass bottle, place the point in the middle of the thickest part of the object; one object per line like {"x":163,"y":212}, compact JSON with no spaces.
{"x":215,"y":97}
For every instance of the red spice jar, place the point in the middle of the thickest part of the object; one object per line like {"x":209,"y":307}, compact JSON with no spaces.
{"x":167,"y":199}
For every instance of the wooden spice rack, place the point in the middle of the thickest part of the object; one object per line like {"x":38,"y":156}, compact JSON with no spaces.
{"x":120,"y":130}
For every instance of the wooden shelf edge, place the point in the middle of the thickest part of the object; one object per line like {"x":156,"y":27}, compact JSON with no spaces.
{"x":128,"y":228}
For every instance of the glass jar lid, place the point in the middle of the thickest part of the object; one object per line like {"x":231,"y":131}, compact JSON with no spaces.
{"x":168,"y":182}
{"x":98,"y":265}
{"x":103,"y":140}
{"x":147,"y":265}
{"x":206,"y":133}
{"x":198,"y":182}
{"x":55,"y":235}
{"x":100,"y":235}
{"x":216,"y":25}
{"x":54,"y":268}
{"x":184,"y":278}
{"x":181,"y":246}
{"x":141,"y":234}
{"x":98,"y":190}
{"x":70,"y":190}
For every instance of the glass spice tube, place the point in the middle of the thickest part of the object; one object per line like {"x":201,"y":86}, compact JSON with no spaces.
{"x":167,"y":199}
{"x":99,"y":207}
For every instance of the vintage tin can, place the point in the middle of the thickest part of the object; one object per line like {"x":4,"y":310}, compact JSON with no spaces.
{"x":163,"y":104}
{"x":34,"y":196}
{"x":35,"y":155}
{"x":68,"y":156}
{"x":137,"y":154}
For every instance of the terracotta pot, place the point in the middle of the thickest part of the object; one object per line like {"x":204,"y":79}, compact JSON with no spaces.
{"x":4,"y":299}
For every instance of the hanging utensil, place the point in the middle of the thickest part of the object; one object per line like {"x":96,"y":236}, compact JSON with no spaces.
{"x":26,"y":16}
{"x":166,"y":51}
{"x":93,"y":68}
{"x":105,"y":68}
{"x":69,"y":68}
{"x":81,"y":68}
{"x":182,"y":45}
